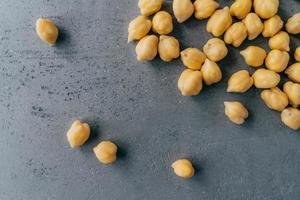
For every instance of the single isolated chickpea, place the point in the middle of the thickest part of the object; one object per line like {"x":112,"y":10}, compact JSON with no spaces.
{"x":138,"y":28}
{"x":272,"y":26}
{"x":293,"y":72}
{"x":277,"y":60}
{"x":205,"y":8}
{"x":78,"y":134}
{"x":275,"y":99}
{"x":293,"y":24}
{"x":146,"y":49}
{"x":264,"y":78}
{"x":162,"y":23}
{"x":47,"y":31}
{"x":215,"y":49}
{"x":106,"y":152}
{"x":297,"y":54}
{"x":219,"y":22}
{"x":240,"y":8}
{"x":236,"y":112}
{"x":183,"y":10}
{"x":254,"y":56}
{"x":211,"y":72}
{"x":183,"y":168}
{"x":149,"y":7}
{"x":236,"y":34}
{"x":190,"y":82}
{"x":192,"y":58}
{"x":291,"y":118}
{"x":292,"y":90}
{"x":280,"y":41}
{"x":168,"y":48}
{"x":240,"y":81}
{"x":254,"y":25}
{"x":266,"y":8}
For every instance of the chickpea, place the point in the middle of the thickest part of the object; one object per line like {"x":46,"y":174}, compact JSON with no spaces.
{"x":266,"y":8}
{"x":106,"y":152}
{"x":47,"y":31}
{"x":293,"y":24}
{"x":280,"y":41}
{"x":162,"y":23}
{"x":236,"y":112}
{"x":254,"y":25}
{"x":275,"y":99}
{"x":297,"y":54}
{"x":183,"y":168}
{"x":240,"y":8}
{"x":277,"y":60}
{"x":236,"y":34}
{"x":149,"y":7}
{"x":291,"y":118}
{"x":205,"y":8}
{"x":292,"y":90}
{"x":190,"y":82}
{"x":146,"y":49}
{"x":211,"y":72}
{"x":219,"y":22}
{"x":293,"y":72}
{"x":193,"y":58}
{"x":240,"y":81}
{"x":168,"y":48}
{"x":138,"y":28}
{"x":264,"y":78}
{"x":215,"y":49}
{"x":183,"y":9}
{"x":78,"y":134}
{"x":272,"y":26}
{"x":254,"y":56}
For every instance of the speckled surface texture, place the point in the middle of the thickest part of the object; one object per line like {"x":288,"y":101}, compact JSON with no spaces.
{"x":92,"y":74}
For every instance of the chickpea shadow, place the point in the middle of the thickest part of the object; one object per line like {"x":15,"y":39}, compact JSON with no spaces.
{"x":95,"y":132}
{"x":63,"y":37}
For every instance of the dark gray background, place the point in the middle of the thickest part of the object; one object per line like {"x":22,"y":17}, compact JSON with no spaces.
{"x":92,"y":74}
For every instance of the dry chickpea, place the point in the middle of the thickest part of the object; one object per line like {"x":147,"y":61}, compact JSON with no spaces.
{"x":254,"y":25}
{"x":78,"y":134}
{"x":190,"y":82}
{"x":254,"y":56}
{"x":149,"y":7}
{"x":138,"y":28}
{"x":211,"y":72}
{"x":183,"y":9}
{"x":264,"y":78}
{"x":47,"y":31}
{"x":240,"y":8}
{"x":266,"y":8}
{"x":183,"y":168}
{"x":291,"y":118}
{"x":277,"y":60}
{"x":272,"y":26}
{"x":292,"y":90}
{"x":219,"y":22}
{"x":297,"y":54}
{"x":280,"y":41}
{"x":275,"y":99}
{"x":162,"y":23}
{"x":146,"y":49}
{"x":168,"y":48}
{"x":106,"y":152}
{"x":193,"y":58}
{"x":236,"y":34}
{"x":205,"y":8}
{"x":293,"y":72}
{"x":215,"y":49}
{"x":240,"y":81}
{"x":293,"y":24}
{"x":236,"y":112}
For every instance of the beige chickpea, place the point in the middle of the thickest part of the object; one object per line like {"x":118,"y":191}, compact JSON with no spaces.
{"x":47,"y":31}
{"x":78,"y":134}
{"x":291,"y":118}
{"x":272,"y":26}
{"x":236,"y":34}
{"x":293,"y":72}
{"x":264,"y":78}
{"x":297,"y":54}
{"x":240,"y":81}
{"x":254,"y":56}
{"x":219,"y":22}
{"x":149,"y":7}
{"x":215,"y":49}
{"x":266,"y":8}
{"x":280,"y":41}
{"x":254,"y":25}
{"x":183,"y":10}
{"x":106,"y":152}
{"x":193,"y":58}
{"x":205,"y":8}
{"x":277,"y":60}
{"x":183,"y":168}
{"x":292,"y":90}
{"x":275,"y":99}
{"x":240,"y":8}
{"x":168,"y":48}
{"x":146,"y":49}
{"x":190,"y":82}
{"x":211,"y":72}
{"x":236,"y":112}
{"x":293,"y":24}
{"x":162,"y":23}
{"x":138,"y":28}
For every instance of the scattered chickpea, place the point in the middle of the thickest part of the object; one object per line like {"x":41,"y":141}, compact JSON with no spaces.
{"x":254,"y":56}
{"x":254,"y":25}
{"x":190,"y":82}
{"x":47,"y":31}
{"x":78,"y":134}
{"x":211,"y":72}
{"x":219,"y":22}
{"x":236,"y":34}
{"x":264,"y":78}
{"x":183,"y":168}
{"x":205,"y":8}
{"x":168,"y":48}
{"x":291,"y":118}
{"x":138,"y":28}
{"x":280,"y":41}
{"x":297,"y":54}
{"x":236,"y":112}
{"x":293,"y":24}
{"x":292,"y":90}
{"x":106,"y":152}
{"x":277,"y":60}
{"x":146,"y":49}
{"x":183,"y":9}
{"x":266,"y":8}
{"x":149,"y":7}
{"x":275,"y":99}
{"x":193,"y":58}
{"x":215,"y":49}
{"x":240,"y":8}
{"x":240,"y":81}
{"x":293,"y":72}
{"x":272,"y":26}
{"x":162,"y":23}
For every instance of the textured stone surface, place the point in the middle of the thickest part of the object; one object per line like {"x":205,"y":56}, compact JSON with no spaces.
{"x":92,"y":74}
